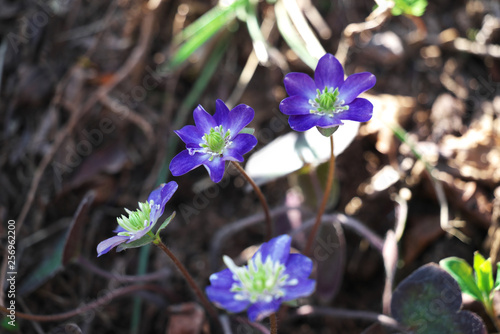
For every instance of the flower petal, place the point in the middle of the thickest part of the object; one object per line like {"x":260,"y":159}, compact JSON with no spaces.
{"x":304,"y":122}
{"x":260,"y":310}
{"x":298,"y":266}
{"x":142,"y":232}
{"x":328,"y":73}
{"x":277,"y":248}
{"x":222,"y":279}
{"x":215,"y":169}
{"x":119,"y":229}
{"x":203,"y":120}
{"x":190,"y":134}
{"x":356,"y":84}
{"x":241,"y":144}
{"x":221,"y":115}
{"x":300,"y":84}
{"x":360,"y":110}
{"x":304,"y":287}
{"x":295,"y":105}
{"x":163,"y":193}
{"x":106,"y":245}
{"x":239,"y":117}
{"x":225,"y":299}
{"x":184,"y":162}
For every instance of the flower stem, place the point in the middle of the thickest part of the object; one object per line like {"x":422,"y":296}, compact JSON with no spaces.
{"x":490,"y":309}
{"x":274,"y":323}
{"x":196,"y":289}
{"x":262,"y":199}
{"x":326,"y":195}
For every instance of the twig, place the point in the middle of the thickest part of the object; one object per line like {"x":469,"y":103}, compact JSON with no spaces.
{"x":256,"y":325}
{"x":251,"y":64}
{"x":274,"y":323}
{"x":136,"y":55}
{"x":373,"y":21}
{"x":159,"y":275}
{"x":85,"y":308}
{"x":196,"y":289}
{"x":308,"y":310}
{"x":357,"y":226}
{"x":226,"y":231}
{"x":262,"y":199}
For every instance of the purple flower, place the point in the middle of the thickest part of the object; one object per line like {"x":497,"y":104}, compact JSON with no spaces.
{"x":214,"y":140}
{"x":272,"y":276}
{"x":133,"y":231}
{"x":328,"y":99}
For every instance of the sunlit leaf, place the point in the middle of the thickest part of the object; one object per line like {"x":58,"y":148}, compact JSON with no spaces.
{"x":484,"y":273}
{"x":462,"y":273}
{"x":409,"y":7}
{"x":199,"y":32}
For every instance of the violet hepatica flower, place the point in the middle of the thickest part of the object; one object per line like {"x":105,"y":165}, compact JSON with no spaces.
{"x":272,"y":276}
{"x":134,"y":230}
{"x":214,"y":140}
{"x":328,"y":99}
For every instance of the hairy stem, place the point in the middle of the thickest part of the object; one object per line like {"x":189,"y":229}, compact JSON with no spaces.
{"x":326,"y":195}
{"x":274,"y":324}
{"x":262,"y":199}
{"x":196,"y":289}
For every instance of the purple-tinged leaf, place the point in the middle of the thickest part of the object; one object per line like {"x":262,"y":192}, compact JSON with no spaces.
{"x":329,"y":252}
{"x":75,"y":232}
{"x":429,"y":300}
{"x":390,"y":255}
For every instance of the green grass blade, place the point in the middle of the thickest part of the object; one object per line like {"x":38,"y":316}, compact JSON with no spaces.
{"x":216,"y":16}
{"x":291,"y":37}
{"x":194,"y":37}
{"x":462,"y":273}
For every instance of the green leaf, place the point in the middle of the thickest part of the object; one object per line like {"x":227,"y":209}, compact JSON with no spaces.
{"x":165,"y":224}
{"x":9,"y":324}
{"x":138,"y":243}
{"x":216,"y":16}
{"x":292,"y":37}
{"x":202,"y":30}
{"x":327,"y":132}
{"x":497,"y":283}
{"x":409,"y":7}
{"x":462,"y":273}
{"x":484,"y":274}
